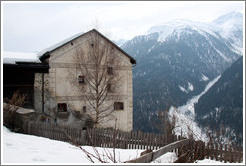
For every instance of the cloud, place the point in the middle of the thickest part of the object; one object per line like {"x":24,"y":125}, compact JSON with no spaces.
{"x":34,"y":26}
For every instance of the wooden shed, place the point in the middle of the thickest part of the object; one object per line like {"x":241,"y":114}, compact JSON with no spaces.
{"x":20,"y":75}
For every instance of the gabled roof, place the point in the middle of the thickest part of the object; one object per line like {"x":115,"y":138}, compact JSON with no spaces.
{"x":44,"y":54}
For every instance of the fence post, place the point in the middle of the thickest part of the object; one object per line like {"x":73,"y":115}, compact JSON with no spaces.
{"x":226,"y":154}
{"x":83,"y":137}
{"x":24,"y":127}
{"x":203,"y":150}
{"x":240,"y":157}
{"x":211,"y":148}
{"x":216,"y":151}
{"x":29,"y":127}
{"x":231,"y":156}
{"x":221,"y":154}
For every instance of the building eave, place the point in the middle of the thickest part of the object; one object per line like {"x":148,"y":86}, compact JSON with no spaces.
{"x":36,"y":67}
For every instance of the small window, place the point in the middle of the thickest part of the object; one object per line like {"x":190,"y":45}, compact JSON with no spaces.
{"x":62,"y":107}
{"x":84,"y":109}
{"x":118,"y":106}
{"x":81,"y":79}
{"x":110,"y":70}
{"x":109,"y":87}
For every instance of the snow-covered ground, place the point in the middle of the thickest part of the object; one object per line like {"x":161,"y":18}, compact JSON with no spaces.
{"x":27,"y":149}
{"x":21,"y":148}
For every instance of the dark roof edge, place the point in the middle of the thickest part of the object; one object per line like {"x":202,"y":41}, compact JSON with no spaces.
{"x":47,"y":54}
{"x":43,"y":67}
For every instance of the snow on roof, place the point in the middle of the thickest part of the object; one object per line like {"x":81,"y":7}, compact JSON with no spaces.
{"x":13,"y":57}
{"x":53,"y":47}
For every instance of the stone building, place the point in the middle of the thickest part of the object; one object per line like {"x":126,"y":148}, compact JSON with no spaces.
{"x":56,"y":90}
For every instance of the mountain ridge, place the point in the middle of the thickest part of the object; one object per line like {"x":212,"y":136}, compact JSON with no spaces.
{"x":171,"y":72}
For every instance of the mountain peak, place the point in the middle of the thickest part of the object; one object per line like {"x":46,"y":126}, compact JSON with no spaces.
{"x":234,"y":15}
{"x":180,"y":25}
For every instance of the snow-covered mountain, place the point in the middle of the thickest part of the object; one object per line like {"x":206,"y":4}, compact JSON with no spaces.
{"x":178,"y":26}
{"x":229,"y":27}
{"x":177,"y":59}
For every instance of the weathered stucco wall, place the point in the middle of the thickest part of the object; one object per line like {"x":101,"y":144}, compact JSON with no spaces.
{"x":60,"y":88}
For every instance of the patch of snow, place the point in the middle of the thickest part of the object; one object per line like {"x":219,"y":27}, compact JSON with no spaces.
{"x":183,"y":89}
{"x":209,"y":85}
{"x":208,"y":161}
{"x":13,"y":57}
{"x":204,"y":78}
{"x":191,"y":88}
{"x":168,"y":157}
{"x":24,"y":110}
{"x":151,"y":48}
{"x":20,"y":110}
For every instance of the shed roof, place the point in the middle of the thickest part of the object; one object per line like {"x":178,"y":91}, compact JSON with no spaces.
{"x":20,"y":60}
{"x":15,"y":57}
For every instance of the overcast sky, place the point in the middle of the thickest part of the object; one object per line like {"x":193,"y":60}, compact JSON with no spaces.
{"x":33,"y":26}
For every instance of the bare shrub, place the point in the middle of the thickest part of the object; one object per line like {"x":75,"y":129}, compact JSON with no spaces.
{"x":166,"y":125}
{"x":10,"y":109}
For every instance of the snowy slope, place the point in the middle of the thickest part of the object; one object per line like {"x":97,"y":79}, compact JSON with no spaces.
{"x":20,"y":148}
{"x":185,"y":117}
{"x":27,"y":149}
{"x":179,"y":25}
{"x":228,"y":26}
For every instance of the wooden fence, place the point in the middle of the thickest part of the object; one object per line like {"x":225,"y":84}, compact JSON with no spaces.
{"x":98,"y":137}
{"x":126,"y":140}
{"x":223,"y":153}
{"x":180,"y":147}
{"x":109,"y":138}
{"x":53,"y":131}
